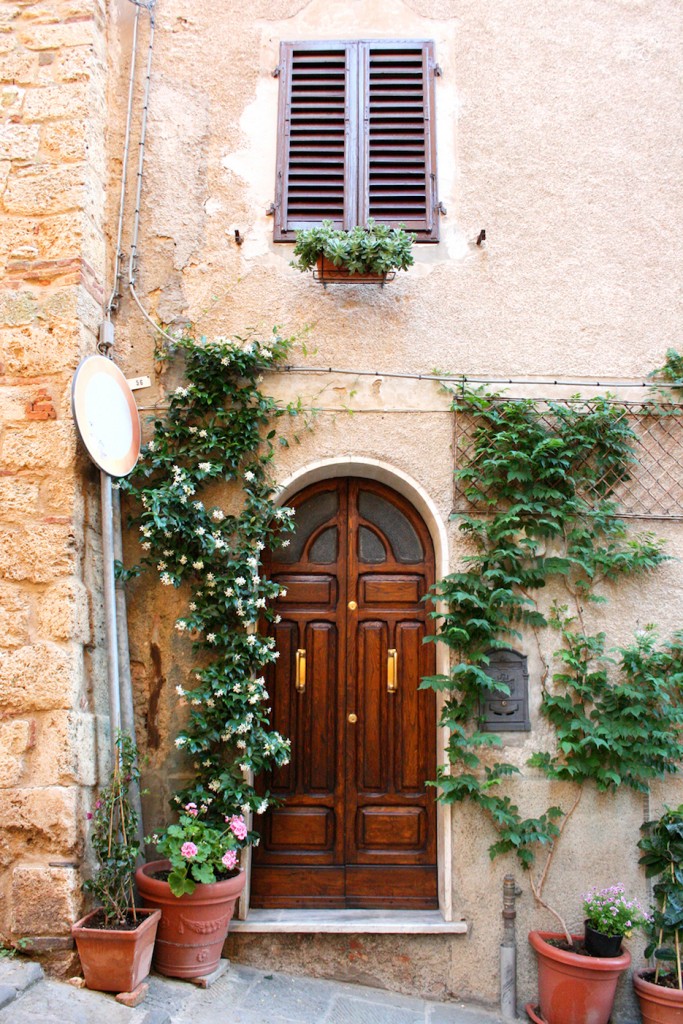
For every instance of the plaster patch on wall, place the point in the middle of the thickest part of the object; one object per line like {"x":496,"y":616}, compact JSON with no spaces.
{"x":175,"y":179}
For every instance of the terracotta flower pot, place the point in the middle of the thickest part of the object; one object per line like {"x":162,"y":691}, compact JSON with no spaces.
{"x":115,"y":960}
{"x":658,"y":1005}
{"x":193,"y":927}
{"x":574,"y":989}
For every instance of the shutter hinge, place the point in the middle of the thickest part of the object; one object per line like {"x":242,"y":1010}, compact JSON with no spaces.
{"x":270,"y":210}
{"x":438,"y":72}
{"x":440,"y":208}
{"x":276,"y":72}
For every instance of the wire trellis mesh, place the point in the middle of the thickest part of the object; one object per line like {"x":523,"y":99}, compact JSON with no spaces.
{"x":650,"y":485}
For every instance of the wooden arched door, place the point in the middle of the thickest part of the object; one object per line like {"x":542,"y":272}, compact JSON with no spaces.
{"x":357,"y":824}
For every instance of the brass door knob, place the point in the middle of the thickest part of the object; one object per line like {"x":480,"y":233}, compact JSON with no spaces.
{"x":352,"y":606}
{"x":353,"y":718}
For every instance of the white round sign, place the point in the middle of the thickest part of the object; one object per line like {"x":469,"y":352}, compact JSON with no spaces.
{"x":106,"y":415}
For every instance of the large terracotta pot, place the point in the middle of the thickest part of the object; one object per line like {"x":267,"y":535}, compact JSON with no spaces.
{"x":193,"y":927}
{"x":574,"y":989}
{"x":658,"y":1005}
{"x":114,"y":960}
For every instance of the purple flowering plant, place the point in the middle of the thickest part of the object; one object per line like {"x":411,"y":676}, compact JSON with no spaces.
{"x":200,"y":851}
{"x":610,"y":912}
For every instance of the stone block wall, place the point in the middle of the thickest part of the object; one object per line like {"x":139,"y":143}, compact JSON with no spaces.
{"x":52,"y":182}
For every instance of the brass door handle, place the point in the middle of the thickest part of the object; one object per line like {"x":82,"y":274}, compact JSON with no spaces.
{"x":300,"y":678}
{"x":392,"y":670}
{"x":353,"y":718}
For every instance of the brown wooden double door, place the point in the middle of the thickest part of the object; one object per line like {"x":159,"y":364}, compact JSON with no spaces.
{"x":357,"y":824}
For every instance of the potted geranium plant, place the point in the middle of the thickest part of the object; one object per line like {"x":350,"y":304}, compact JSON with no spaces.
{"x":116,"y":940}
{"x":196,"y":886}
{"x":360,"y":255}
{"x":660,"y":989}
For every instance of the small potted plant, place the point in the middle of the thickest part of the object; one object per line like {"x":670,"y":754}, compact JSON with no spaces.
{"x":609,"y":918}
{"x":116,"y":940}
{"x":361,"y":255}
{"x":660,"y":988}
{"x":196,"y":885}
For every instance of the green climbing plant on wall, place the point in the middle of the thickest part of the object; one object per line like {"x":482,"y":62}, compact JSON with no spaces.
{"x":548,"y":524}
{"x":218,"y":430}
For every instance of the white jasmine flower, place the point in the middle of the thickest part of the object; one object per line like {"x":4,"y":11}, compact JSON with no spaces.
{"x":199,"y":505}
{"x":241,"y":744}
{"x":203,"y":433}
{"x":198,"y":564}
{"x":278,"y":618}
{"x":166,"y":579}
{"x":229,"y":592}
{"x":200,"y":531}
{"x":251,"y":640}
{"x":180,"y":742}
{"x":260,"y":546}
{"x":283,"y":592}
{"x":205,"y":467}
{"x":181,"y":625}
{"x":183,"y":559}
{"x":240,"y":581}
{"x":249,"y":476}
{"x":168,"y":552}
{"x":262,"y":807}
{"x":151,"y":446}
{"x":179,"y":690}
{"x":210,"y":576}
{"x":218,"y":515}
{"x":261,"y":602}
{"x":161,"y":566}
{"x":214,"y":785}
{"x":192,"y":606}
{"x":181,"y":391}
{"x":211,"y":637}
{"x":146,"y":546}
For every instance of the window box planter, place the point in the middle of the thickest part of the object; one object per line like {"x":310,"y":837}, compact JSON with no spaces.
{"x":326,"y":273}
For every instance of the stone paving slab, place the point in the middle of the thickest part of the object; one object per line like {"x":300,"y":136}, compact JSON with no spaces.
{"x":244,"y":994}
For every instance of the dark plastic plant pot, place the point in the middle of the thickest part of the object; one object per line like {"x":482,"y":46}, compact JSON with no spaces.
{"x":193,"y":927}
{"x":574,"y":989}
{"x":115,"y":960}
{"x":599,"y":944}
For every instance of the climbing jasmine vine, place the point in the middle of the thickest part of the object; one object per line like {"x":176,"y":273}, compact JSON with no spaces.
{"x":218,"y":431}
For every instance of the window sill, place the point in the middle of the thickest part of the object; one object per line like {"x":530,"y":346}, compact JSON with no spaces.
{"x":368,"y":922}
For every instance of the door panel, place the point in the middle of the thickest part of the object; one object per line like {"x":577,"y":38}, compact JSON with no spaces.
{"x":357,"y":826}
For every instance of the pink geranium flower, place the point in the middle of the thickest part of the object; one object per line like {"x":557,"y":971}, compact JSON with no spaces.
{"x":229,"y":858}
{"x":188,"y":850}
{"x":191,"y":809}
{"x":237,"y":826}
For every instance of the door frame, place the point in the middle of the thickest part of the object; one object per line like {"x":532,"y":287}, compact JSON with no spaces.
{"x":403,"y":484}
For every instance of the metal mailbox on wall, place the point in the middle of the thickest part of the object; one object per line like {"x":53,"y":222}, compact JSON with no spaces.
{"x":502,"y":712}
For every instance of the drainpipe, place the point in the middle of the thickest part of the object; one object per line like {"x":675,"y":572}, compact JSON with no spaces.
{"x":508,"y":951}
{"x":110,"y":609}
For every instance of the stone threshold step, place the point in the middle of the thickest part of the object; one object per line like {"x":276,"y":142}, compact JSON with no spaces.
{"x":378,"y":922}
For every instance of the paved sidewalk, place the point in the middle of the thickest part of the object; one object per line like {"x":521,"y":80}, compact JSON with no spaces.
{"x":242,"y":996}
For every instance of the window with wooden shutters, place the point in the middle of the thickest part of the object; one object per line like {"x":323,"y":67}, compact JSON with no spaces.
{"x":356,"y":136}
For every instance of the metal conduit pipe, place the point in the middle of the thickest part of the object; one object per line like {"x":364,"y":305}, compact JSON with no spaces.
{"x":110,"y":609}
{"x":508,"y":951}
{"x":125,"y":681}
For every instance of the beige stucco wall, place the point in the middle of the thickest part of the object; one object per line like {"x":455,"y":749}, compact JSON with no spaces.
{"x":559,"y":132}
{"x":52,"y":249}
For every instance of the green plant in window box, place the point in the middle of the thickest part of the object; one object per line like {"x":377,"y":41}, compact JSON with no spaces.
{"x":375,"y":249}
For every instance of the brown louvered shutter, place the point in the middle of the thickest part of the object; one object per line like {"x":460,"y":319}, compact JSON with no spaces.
{"x":397,"y":165}
{"x":317,"y":143}
{"x":356,"y":136}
